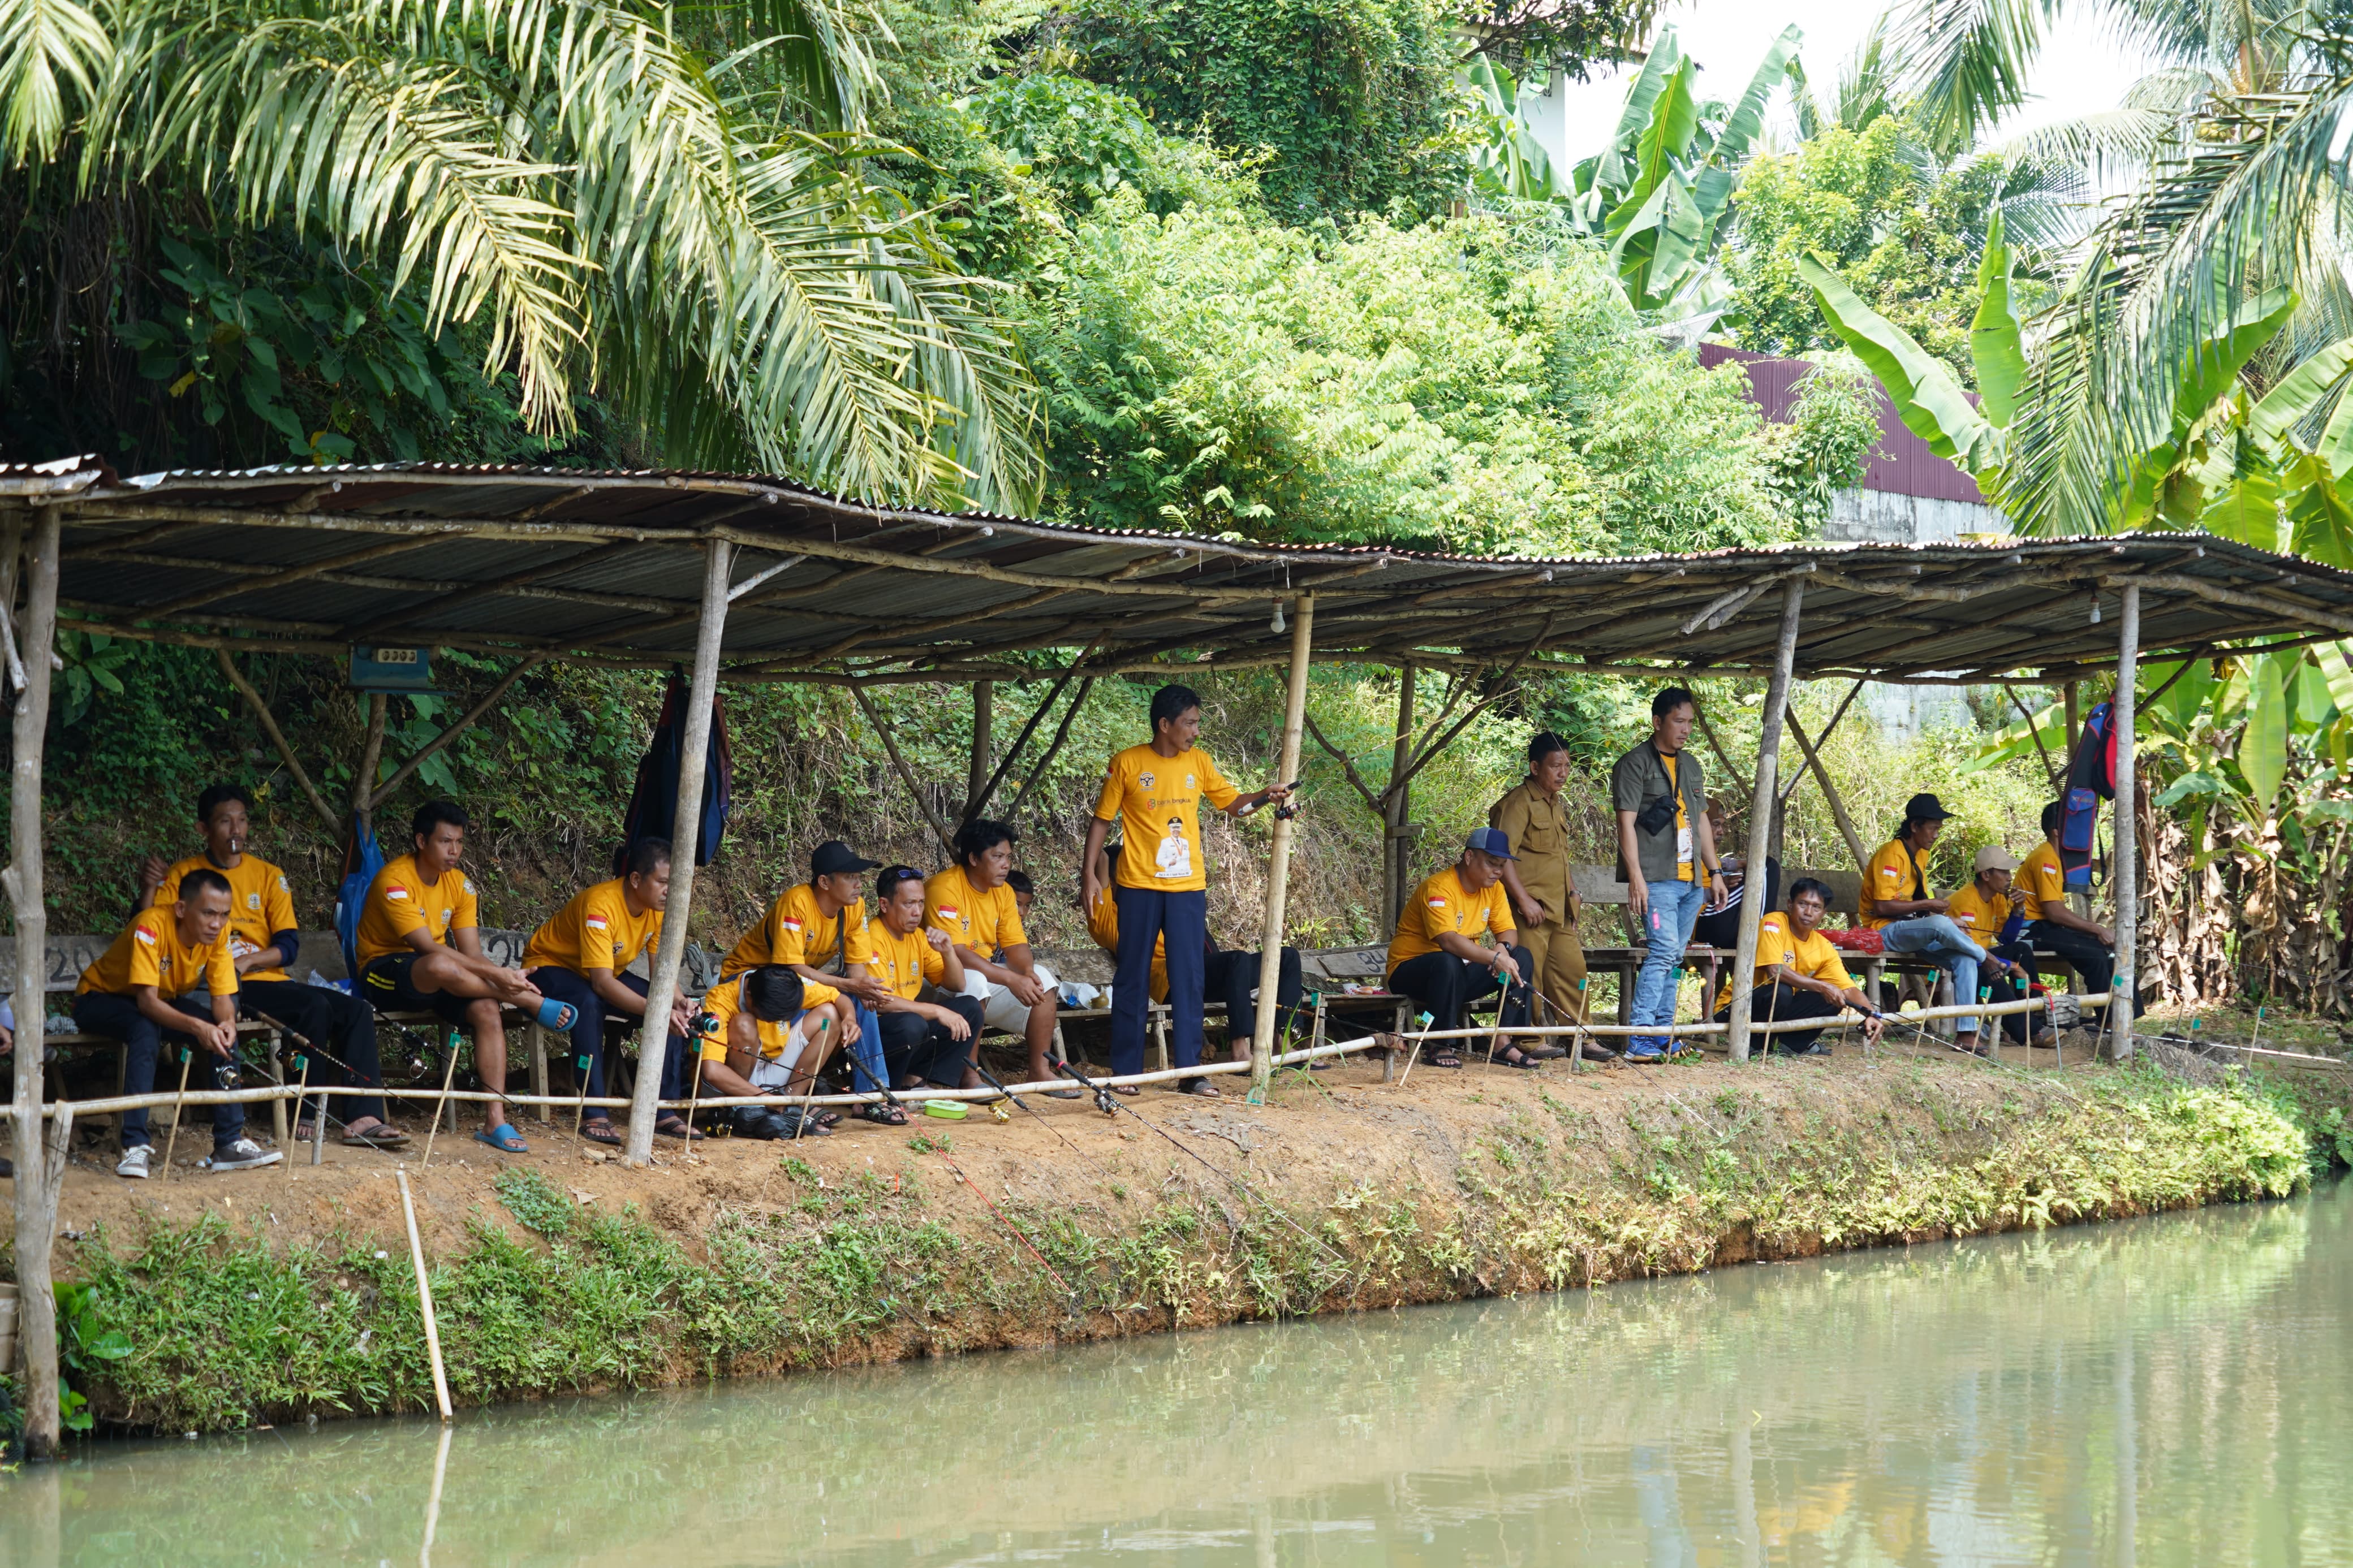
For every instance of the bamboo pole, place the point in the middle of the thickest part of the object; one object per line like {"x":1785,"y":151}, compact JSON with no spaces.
{"x":424,"y":1299}
{"x":984,"y":725}
{"x":370,"y":754}
{"x":1760,"y":827}
{"x":2127,"y":867}
{"x":686,"y":836}
{"x":1830,"y":795}
{"x":35,"y":1306}
{"x":1278,"y":874}
{"x":1399,"y":809}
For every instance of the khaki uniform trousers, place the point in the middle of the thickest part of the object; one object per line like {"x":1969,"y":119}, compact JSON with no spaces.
{"x":1557,"y":954}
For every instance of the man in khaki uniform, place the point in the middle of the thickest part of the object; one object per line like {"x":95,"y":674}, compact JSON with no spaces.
{"x":1536,"y":818}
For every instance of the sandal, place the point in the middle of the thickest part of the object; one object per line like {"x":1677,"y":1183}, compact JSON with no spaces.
{"x":1543,"y":1053}
{"x":504,"y":1137}
{"x":557,"y":1016}
{"x":1513,"y":1057}
{"x":1201,"y":1086}
{"x":1129,"y":1089}
{"x":882,"y":1114}
{"x":382,"y":1135}
{"x":1444,"y":1060}
{"x":600,"y":1131}
{"x":675,"y":1126}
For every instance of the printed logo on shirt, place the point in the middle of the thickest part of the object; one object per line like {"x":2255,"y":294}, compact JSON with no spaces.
{"x":253,"y":901}
{"x":1189,"y":783}
{"x":950,"y":912}
{"x":1144,"y":780}
{"x":281,"y":884}
{"x":1437,"y":903}
{"x":469,"y":884}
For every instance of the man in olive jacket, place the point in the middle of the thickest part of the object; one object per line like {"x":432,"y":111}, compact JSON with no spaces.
{"x":1534,"y":816}
{"x":1667,"y":856}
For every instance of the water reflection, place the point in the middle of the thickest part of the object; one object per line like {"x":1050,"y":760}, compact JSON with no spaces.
{"x":2173,"y":1390}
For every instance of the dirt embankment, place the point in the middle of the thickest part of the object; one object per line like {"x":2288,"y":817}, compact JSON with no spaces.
{"x":260,"y":1296}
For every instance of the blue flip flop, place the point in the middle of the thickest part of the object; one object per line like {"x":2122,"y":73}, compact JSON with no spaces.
{"x":556,"y":1015}
{"x":504,"y":1139}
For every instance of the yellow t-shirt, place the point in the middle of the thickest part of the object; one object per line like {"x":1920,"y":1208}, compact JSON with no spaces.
{"x":1812,"y":956}
{"x":259,"y":906}
{"x":1889,"y":876}
{"x":1684,"y":853}
{"x":1977,"y":915}
{"x":1442,"y":904}
{"x":2042,"y":878}
{"x":1156,"y":801}
{"x":400,"y":901}
{"x":795,"y":931}
{"x":905,"y":964}
{"x":595,"y":931}
{"x":1103,"y":924}
{"x":777,"y":1041}
{"x":150,"y":952}
{"x":980,"y":923}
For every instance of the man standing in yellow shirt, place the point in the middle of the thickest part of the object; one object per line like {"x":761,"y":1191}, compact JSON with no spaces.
{"x":263,"y":940}
{"x":582,"y":957}
{"x":133,"y":993}
{"x":1435,"y":957}
{"x":1161,"y":887}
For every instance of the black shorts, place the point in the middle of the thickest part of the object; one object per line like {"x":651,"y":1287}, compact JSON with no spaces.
{"x":384,"y":982}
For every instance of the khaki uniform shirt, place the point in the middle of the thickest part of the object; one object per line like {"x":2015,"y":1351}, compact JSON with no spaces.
{"x":1538,"y":829}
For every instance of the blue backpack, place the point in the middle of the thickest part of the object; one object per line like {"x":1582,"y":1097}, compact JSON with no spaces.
{"x":362,"y":860}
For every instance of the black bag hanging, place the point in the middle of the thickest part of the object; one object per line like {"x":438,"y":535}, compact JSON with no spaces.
{"x":653,"y":803}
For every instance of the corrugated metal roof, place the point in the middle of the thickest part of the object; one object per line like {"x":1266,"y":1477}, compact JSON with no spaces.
{"x":609,"y":566}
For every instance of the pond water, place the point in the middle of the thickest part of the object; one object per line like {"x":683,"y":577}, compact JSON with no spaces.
{"x":2177,"y":1390}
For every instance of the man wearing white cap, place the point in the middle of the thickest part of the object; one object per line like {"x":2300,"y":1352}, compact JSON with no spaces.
{"x":1986,"y":911}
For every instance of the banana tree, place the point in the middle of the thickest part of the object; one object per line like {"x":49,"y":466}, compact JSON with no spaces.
{"x":1506,"y":159}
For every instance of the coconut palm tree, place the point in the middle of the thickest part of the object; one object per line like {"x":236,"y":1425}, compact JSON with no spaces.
{"x":655,"y":200}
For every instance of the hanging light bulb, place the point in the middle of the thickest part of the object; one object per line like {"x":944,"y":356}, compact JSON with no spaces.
{"x":1278,"y":625}
{"x":2096,"y":609}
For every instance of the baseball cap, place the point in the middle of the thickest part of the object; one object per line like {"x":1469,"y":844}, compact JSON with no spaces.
{"x":834,"y":856}
{"x":1994,"y":858}
{"x":1925,"y":807}
{"x":1491,"y":841}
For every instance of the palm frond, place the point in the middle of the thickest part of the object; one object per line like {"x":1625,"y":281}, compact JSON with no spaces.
{"x":52,"y":52}
{"x":1967,"y":62}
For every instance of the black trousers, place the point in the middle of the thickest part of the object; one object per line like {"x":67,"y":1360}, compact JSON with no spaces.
{"x":1232,"y":976}
{"x":1783,"y":1003}
{"x":333,"y":1022}
{"x":1444,"y":984}
{"x":2091,"y":958}
{"x":119,"y":1018}
{"x":2002,"y":988}
{"x":914,"y":1044}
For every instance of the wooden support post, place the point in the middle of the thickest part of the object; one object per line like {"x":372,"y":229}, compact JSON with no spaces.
{"x":686,"y":832}
{"x":370,"y":754}
{"x":1395,"y":846}
{"x":2127,"y":865}
{"x":1760,"y":827}
{"x":36,"y":1206}
{"x":1278,"y":870}
{"x":984,"y":721}
{"x":1830,"y":795}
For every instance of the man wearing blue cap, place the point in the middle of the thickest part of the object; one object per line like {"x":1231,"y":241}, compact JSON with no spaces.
{"x":1436,"y":959}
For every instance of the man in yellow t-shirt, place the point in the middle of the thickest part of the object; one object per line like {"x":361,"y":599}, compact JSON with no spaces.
{"x":1983,"y":909}
{"x":1899,"y":903}
{"x":972,"y":902}
{"x":1154,"y":792}
{"x":818,"y":930}
{"x":580,"y":956}
{"x":2052,"y":925}
{"x":264,"y":937}
{"x":134,"y":993}
{"x":1798,"y":974}
{"x":1435,"y":957}
{"x":421,"y":950}
{"x":767,"y":1031}
{"x":927,"y":1024}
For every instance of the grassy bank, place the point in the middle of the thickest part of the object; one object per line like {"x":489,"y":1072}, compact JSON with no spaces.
{"x":230,"y":1304}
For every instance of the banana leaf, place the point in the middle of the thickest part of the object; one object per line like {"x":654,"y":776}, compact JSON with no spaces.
{"x":1997,"y":342}
{"x":1927,"y":396}
{"x":2263,"y":746}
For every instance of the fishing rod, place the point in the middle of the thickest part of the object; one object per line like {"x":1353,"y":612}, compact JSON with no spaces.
{"x":1019,"y":1235}
{"x":999,"y":1084}
{"x":310,"y":1048}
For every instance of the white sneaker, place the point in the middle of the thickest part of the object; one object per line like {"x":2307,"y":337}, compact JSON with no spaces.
{"x":243,"y":1155}
{"x":135,"y":1163}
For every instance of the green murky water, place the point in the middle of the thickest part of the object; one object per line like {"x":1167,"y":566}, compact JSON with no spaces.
{"x":2173,"y":1390}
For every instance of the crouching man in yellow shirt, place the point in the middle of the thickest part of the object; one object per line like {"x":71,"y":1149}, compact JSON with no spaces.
{"x":134,"y":993}
{"x":767,"y":1031}
{"x":1798,"y":974}
{"x":1435,"y":958}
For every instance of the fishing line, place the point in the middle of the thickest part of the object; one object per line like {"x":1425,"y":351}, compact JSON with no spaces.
{"x":941,"y":1150}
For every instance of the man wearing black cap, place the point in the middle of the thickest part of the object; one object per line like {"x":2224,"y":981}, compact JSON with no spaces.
{"x":1436,"y":959}
{"x":819,"y":930}
{"x":1899,"y":903}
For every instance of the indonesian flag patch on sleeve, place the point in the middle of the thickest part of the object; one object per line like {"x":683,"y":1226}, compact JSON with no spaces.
{"x":396,"y":892}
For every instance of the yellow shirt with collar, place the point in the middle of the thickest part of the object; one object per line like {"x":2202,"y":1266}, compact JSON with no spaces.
{"x":595,"y":931}
{"x":904,"y":963}
{"x":150,"y":952}
{"x":795,"y":931}
{"x":1442,"y":904}
{"x":1810,"y":955}
{"x":401,"y":901}
{"x":259,"y":904}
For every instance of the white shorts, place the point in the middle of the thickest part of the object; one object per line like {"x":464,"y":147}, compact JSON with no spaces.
{"x":1000,"y":1008}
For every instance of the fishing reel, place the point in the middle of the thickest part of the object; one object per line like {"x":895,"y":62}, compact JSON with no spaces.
{"x":228,"y":1074}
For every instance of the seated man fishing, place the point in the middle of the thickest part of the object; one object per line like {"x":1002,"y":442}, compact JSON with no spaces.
{"x":263,"y":939}
{"x":1798,"y":974}
{"x":929,"y":1027}
{"x":1899,"y":903}
{"x":818,"y":930}
{"x":972,"y":902}
{"x":766,"y":1031}
{"x":1230,"y":974}
{"x":1436,"y":959}
{"x":146,"y":987}
{"x":421,"y":950}
{"x":1990,"y":911}
{"x":2052,"y":925}
{"x":581,"y":958}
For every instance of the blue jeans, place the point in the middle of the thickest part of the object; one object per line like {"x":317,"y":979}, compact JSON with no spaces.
{"x":1184,"y":919}
{"x":1936,"y":939}
{"x":1666,"y":927}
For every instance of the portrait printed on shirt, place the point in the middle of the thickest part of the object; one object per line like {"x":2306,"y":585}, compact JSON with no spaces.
{"x":1175,"y":857}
